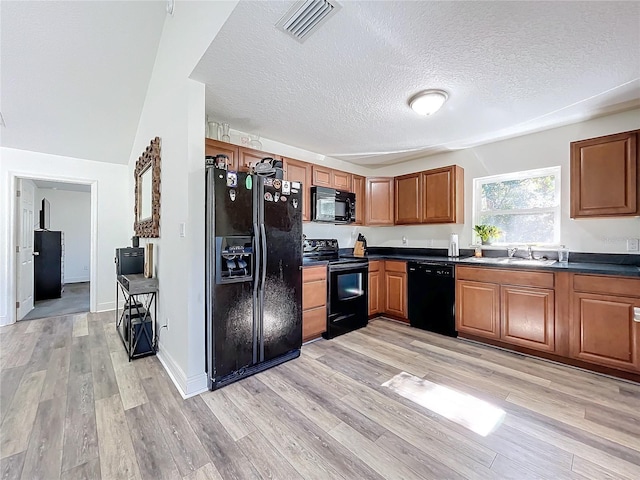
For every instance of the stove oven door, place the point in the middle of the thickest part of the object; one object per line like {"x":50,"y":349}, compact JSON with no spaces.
{"x":348,"y":285}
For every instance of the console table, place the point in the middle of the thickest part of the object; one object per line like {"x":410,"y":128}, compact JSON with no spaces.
{"x":136,"y":324}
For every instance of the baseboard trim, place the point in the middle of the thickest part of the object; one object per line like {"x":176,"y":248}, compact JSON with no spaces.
{"x":77,"y":280}
{"x":187,"y":387}
{"x":104,"y":306}
{"x":4,"y":321}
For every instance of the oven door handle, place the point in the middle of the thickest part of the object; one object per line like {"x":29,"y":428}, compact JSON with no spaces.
{"x":356,"y":266}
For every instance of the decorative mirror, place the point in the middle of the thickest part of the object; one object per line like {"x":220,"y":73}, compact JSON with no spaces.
{"x":147,"y":191}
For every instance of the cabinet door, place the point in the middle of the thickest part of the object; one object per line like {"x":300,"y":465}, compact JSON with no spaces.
{"x":604,"y":176}
{"x":478,"y":308}
{"x":247,"y":158}
{"x":322,"y":177}
{"x":528,"y":317}
{"x":379,"y":195}
{"x":374,"y":293}
{"x":341,"y":180}
{"x":314,"y":302}
{"x":358,"y":187}
{"x":408,"y":190}
{"x":314,"y":287}
{"x":297,"y":171}
{"x":442,"y":199}
{"x":395,"y":288}
{"x":605,"y":330}
{"x":314,"y":323}
{"x":215,"y":147}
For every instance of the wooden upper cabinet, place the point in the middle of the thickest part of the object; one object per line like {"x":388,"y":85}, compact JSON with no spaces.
{"x":605,"y":176}
{"x":443,"y":195}
{"x":408,"y":201}
{"x":215,"y":147}
{"x":297,"y":171}
{"x":341,"y":180}
{"x":321,"y":176}
{"x":359,"y":188}
{"x":327,"y":177}
{"x":379,"y":199}
{"x":248,"y":157}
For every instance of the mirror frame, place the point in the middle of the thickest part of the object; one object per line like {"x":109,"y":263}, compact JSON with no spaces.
{"x":150,"y":227}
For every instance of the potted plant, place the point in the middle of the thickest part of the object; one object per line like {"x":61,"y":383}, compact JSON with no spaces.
{"x":487,"y":233}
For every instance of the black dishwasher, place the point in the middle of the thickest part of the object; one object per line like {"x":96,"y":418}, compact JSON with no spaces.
{"x":432,"y":292}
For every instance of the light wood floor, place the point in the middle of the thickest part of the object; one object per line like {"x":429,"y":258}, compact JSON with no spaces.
{"x":72,"y":407}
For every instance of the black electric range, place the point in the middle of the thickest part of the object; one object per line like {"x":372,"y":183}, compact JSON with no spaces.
{"x":347,"y":286}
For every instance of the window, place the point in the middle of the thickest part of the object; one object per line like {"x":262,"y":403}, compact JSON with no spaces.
{"x":524,"y":205}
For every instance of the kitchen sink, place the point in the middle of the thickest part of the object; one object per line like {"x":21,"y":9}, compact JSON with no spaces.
{"x":525,"y":262}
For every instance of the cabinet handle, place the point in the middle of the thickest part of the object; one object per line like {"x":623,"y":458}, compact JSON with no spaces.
{"x":636,"y":314}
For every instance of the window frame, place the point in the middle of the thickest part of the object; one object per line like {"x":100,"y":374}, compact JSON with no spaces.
{"x":520,"y":175}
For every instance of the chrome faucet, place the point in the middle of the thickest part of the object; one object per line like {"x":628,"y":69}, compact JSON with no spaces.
{"x":511,"y":251}
{"x":530,"y":252}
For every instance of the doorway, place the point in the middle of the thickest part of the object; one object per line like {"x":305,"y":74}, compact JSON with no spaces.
{"x":55,"y":239}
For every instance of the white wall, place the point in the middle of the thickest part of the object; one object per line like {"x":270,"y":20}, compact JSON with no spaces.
{"x":110,"y":187}
{"x":543,"y":149}
{"x":174,"y":111}
{"x":71,"y":214}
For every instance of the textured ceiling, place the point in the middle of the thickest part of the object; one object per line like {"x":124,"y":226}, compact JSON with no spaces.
{"x":75,"y":74}
{"x":509,"y":68}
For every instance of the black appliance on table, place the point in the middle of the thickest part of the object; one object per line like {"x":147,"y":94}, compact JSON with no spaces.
{"x":432,"y":291}
{"x":253,"y":273}
{"x":47,"y":250}
{"x":347,"y":287}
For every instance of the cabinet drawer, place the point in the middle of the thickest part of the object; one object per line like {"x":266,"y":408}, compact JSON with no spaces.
{"x":395,"y":266}
{"x":607,"y":285}
{"x":312,"y":274}
{"x":314,"y":323}
{"x":506,"y":277}
{"x":374,"y":265}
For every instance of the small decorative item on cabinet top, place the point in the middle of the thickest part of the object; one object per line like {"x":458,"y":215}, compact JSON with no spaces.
{"x":148,"y":260}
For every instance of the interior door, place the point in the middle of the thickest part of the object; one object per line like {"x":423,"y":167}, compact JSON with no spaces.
{"x":26,"y":223}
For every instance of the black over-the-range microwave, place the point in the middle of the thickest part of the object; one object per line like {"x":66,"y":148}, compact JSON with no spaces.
{"x":332,"y":206}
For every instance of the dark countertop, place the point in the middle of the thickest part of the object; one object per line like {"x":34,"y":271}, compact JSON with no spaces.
{"x":581,"y":266}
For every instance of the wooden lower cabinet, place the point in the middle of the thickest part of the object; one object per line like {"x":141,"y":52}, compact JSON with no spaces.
{"x":478,"y":308}
{"x":314,"y":302}
{"x":375,"y":287}
{"x":604,"y":330}
{"x":528,"y":317}
{"x":395,"y":289}
{"x":513,"y":306}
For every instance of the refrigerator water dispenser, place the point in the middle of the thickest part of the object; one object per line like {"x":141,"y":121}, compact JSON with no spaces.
{"x":234,"y":259}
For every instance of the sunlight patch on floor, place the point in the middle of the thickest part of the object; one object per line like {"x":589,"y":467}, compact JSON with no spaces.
{"x":477,"y":415}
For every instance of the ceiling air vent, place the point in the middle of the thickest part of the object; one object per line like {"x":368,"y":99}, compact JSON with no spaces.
{"x":305,"y":16}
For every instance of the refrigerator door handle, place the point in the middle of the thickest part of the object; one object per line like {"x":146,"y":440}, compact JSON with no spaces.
{"x":256,"y":283}
{"x":263,"y":237}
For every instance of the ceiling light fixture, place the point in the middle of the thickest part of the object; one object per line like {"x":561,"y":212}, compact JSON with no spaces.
{"x":428,"y":102}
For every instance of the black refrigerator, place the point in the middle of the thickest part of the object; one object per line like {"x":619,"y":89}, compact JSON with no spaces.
{"x":253,"y":273}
